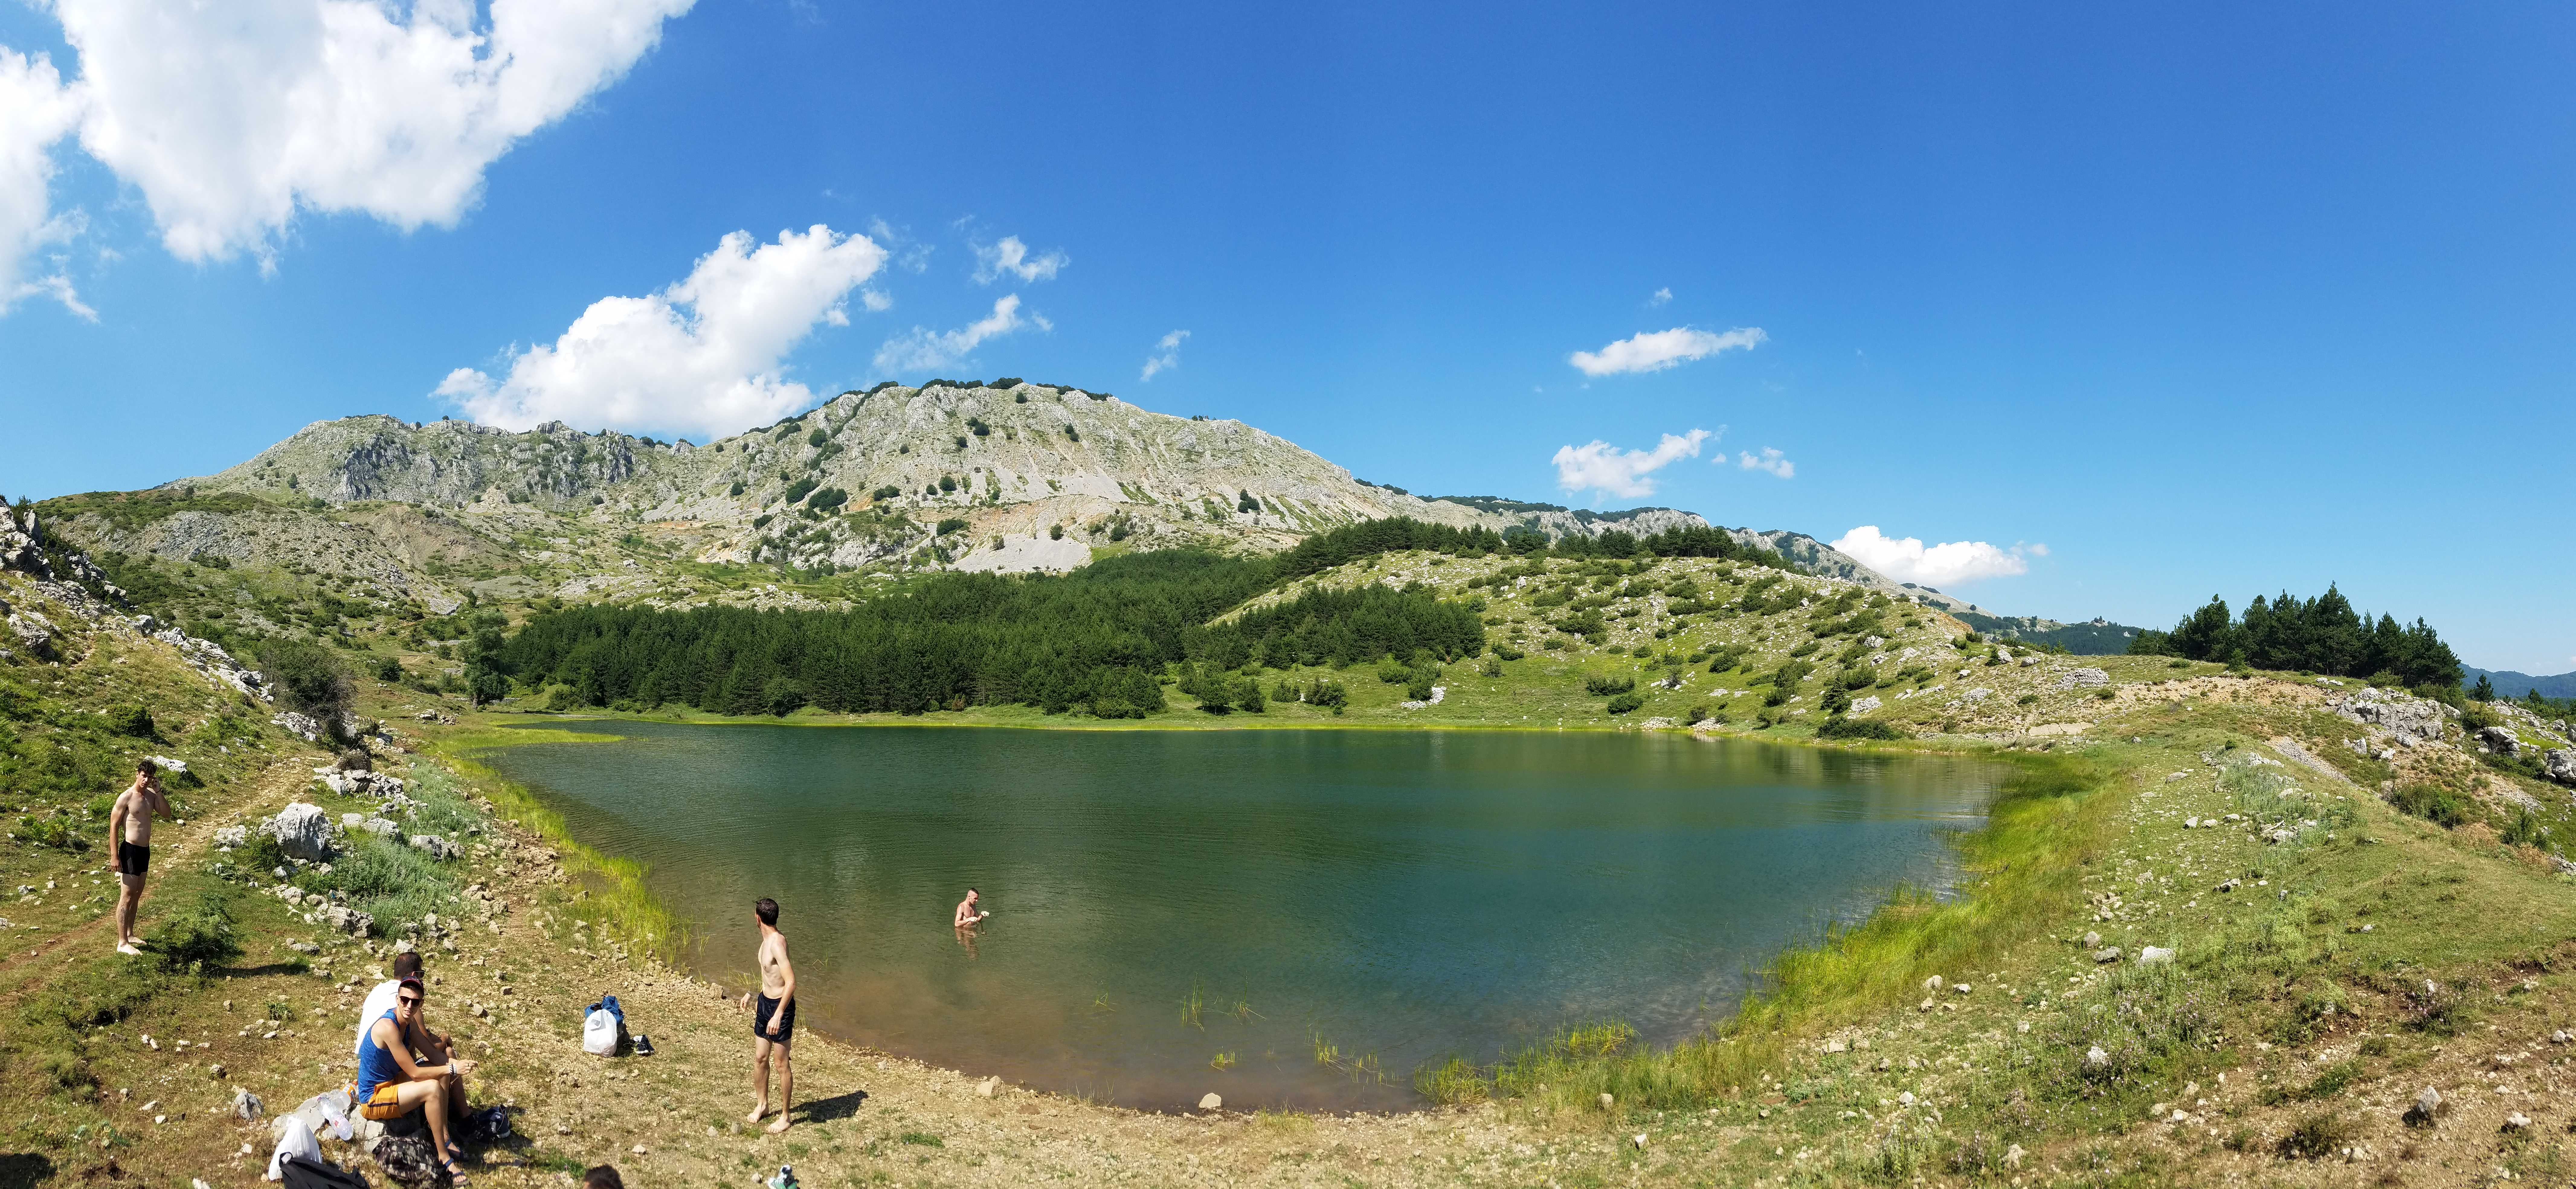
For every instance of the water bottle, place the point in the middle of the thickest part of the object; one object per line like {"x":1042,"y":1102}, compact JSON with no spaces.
{"x":786,"y":1178}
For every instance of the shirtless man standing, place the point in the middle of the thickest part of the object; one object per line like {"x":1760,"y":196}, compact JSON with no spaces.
{"x":773,"y":1020}
{"x":968,"y":915}
{"x":129,"y":825}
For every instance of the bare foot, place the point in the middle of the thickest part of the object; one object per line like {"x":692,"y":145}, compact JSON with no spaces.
{"x":756,"y":1113}
{"x":780,"y":1125}
{"x":129,"y":948}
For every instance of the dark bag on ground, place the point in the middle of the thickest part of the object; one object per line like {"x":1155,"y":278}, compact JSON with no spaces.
{"x":301,"y":1173}
{"x":409,"y":1161}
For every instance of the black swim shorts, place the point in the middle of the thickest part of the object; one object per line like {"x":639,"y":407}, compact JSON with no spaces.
{"x":764,"y":1007}
{"x":132,"y":859}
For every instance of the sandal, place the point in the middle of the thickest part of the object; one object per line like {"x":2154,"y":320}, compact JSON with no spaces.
{"x":455,"y":1175}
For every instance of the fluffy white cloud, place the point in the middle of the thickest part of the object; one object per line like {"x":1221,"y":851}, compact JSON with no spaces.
{"x":1906,"y":559}
{"x":1600,"y":466}
{"x":701,"y":357}
{"x":1167,"y":354}
{"x":36,"y":110}
{"x":922,"y":348}
{"x":1769,"y":460}
{"x":1011,"y":257}
{"x":1661,"y":296}
{"x":231,"y":117}
{"x":1655,"y":350}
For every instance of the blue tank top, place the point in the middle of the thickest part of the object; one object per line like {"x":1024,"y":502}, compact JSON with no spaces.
{"x":376,"y":1064}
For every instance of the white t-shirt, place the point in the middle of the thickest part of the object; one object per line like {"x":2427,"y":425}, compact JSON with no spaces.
{"x":379,"y":1001}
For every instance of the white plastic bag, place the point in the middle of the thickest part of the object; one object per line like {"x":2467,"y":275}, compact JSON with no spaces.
{"x":294,"y":1139}
{"x":599,"y":1033}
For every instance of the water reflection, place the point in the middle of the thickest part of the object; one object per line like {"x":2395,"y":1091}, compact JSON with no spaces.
{"x":1407,"y":895}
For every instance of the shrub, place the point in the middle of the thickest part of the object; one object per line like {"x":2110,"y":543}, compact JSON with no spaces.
{"x":306,"y":677}
{"x":1624,"y":703}
{"x":735,"y":490}
{"x":1507,"y":652}
{"x":977,"y":425}
{"x":2317,"y":1137}
{"x":797,"y":491}
{"x":1493,"y":667}
{"x":950,"y":525}
{"x":199,"y":935}
{"x":2433,"y":803}
{"x":130,"y":718}
{"x":828,"y":498}
{"x":1394,"y":672}
{"x":389,"y":668}
{"x":1418,"y":689}
{"x":887,"y":492}
{"x":1838,"y":727}
{"x":1598,"y":684}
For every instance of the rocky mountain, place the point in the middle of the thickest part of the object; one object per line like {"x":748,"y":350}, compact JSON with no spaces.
{"x":381,"y":513}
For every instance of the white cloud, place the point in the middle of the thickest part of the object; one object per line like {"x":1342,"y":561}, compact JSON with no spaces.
{"x":923,"y":349}
{"x":1661,"y":296}
{"x":36,"y":110}
{"x":1600,"y":466}
{"x":1170,"y":354}
{"x":230,"y":118}
{"x":1907,"y":560}
{"x":702,"y":356}
{"x":1012,"y":257}
{"x":1655,"y":350}
{"x":1769,"y":460}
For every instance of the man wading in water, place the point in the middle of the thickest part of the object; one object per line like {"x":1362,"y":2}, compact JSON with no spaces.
{"x":773,"y":1021}
{"x":129,"y":824}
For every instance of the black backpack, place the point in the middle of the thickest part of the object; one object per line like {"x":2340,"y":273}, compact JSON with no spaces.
{"x":304,"y":1172}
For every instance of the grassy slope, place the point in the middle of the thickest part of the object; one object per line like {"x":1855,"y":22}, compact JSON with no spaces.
{"x":1789,"y":1093}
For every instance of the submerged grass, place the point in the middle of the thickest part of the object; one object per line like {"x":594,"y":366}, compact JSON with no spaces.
{"x":619,"y":902}
{"x":2027,"y":856}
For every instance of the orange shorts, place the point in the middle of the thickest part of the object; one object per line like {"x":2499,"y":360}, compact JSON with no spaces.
{"x":386,"y":1103}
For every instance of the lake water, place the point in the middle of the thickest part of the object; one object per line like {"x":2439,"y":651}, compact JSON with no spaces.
{"x":1399,"y":896}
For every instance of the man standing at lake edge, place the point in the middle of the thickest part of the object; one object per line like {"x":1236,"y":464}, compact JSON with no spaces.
{"x":773,"y":1021}
{"x":129,"y":828}
{"x":967,"y":914}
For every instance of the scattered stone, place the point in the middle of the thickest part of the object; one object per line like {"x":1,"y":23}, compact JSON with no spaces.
{"x":2106,"y":954}
{"x":1933,"y":983}
{"x":1640,"y":1141}
{"x":232,"y":836}
{"x":303,"y":831}
{"x":303,"y":725}
{"x":2517,"y":1121}
{"x":2560,"y":764}
{"x":987,"y":1087}
{"x":2155,"y":956}
{"x":1606,"y":1102}
{"x":1962,"y":988}
{"x":1865,"y":705}
{"x":247,"y":1106}
{"x":2082,"y":679}
{"x":2427,"y":1104}
{"x":2231,"y":885}
{"x":435,"y":846}
{"x":2091,"y":940}
{"x":1211,"y":1102}
{"x":2013,"y":1155}
{"x":341,"y":918}
{"x":2562,"y":1036}
{"x":2501,"y":739}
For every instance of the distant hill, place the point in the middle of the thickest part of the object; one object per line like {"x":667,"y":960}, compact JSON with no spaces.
{"x":2101,"y":637}
{"x":2515,"y":685}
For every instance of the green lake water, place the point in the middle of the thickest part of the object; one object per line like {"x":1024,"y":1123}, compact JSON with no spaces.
{"x":1401,"y":896}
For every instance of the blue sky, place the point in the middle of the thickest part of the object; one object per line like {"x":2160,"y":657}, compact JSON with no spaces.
{"x":2176,"y":299}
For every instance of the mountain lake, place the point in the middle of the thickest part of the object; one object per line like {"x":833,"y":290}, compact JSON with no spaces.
{"x":1288,"y":918}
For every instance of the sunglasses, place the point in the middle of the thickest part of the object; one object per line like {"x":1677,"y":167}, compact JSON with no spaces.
{"x":408,"y":1000}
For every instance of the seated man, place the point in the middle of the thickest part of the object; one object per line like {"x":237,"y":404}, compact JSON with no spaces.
{"x":433,"y":1047}
{"x":391,"y":1084}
